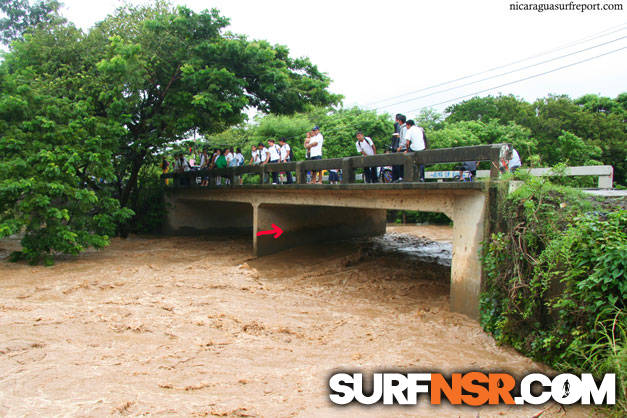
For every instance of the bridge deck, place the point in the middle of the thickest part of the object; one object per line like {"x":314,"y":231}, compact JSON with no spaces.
{"x":478,"y":185}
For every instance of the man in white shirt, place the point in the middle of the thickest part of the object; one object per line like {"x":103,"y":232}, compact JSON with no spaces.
{"x":414,"y":138}
{"x":273,"y":156}
{"x":415,"y":141}
{"x":366,"y":147}
{"x":315,"y":152}
{"x":285,"y":157}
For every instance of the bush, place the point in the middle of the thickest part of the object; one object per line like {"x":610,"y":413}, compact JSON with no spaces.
{"x":417,"y":217}
{"x":148,"y":203}
{"x":555,"y":285}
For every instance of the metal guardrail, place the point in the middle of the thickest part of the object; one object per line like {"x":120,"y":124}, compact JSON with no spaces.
{"x":494,"y":153}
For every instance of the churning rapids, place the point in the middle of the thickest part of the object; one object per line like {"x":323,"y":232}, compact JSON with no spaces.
{"x":195,"y":326}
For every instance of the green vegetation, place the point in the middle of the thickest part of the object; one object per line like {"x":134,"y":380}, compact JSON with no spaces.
{"x":86,"y":116}
{"x":22,"y":17}
{"x":555,"y":285}
{"x":415,"y":217}
{"x":338,"y":126}
{"x":82,"y":115}
{"x":557,"y":129}
{"x":552,"y":130}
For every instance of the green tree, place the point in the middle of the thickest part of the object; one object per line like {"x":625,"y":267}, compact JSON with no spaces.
{"x":82,"y":114}
{"x":595,"y":103}
{"x":467,"y":133}
{"x":597,"y":122}
{"x":429,"y":119}
{"x":292,"y":127}
{"x":21,"y":16}
{"x":339,"y":129}
{"x":168,"y":71}
{"x":504,"y":108}
{"x":597,"y":130}
{"x":55,"y":162}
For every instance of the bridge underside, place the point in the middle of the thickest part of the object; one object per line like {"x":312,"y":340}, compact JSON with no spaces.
{"x":326,"y":212}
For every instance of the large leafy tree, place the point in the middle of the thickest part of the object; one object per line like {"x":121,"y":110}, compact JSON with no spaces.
{"x":472,"y":132}
{"x":81,"y":114}
{"x":55,"y":154}
{"x":21,"y":16}
{"x":169,"y":71}
{"x":504,"y":108}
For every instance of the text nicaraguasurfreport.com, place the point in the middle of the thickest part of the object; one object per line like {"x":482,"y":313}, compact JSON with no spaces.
{"x":565,"y":6}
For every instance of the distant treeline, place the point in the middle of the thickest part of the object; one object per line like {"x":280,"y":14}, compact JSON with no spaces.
{"x":590,"y":130}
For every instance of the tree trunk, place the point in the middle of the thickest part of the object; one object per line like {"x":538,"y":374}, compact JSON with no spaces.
{"x":132,"y":181}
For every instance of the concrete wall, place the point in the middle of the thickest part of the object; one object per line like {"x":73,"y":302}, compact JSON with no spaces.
{"x":193,"y":217}
{"x":306,"y":224}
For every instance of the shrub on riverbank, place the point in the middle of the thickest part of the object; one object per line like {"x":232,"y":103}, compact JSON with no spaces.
{"x":555,"y":286}
{"x":148,"y":203}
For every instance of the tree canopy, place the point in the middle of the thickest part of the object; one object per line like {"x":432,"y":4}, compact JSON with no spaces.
{"x":587,"y":130}
{"x":21,"y":16}
{"x":82,"y":113}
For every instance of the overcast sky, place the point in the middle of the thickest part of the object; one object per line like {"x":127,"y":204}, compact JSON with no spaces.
{"x":377,"y":50}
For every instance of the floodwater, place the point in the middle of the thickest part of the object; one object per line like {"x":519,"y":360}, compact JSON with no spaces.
{"x":196,"y":327}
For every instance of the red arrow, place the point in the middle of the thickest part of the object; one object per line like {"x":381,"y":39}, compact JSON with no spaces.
{"x":275,"y":230}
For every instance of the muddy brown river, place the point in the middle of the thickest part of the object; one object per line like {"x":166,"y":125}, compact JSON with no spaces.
{"x":196,"y":327}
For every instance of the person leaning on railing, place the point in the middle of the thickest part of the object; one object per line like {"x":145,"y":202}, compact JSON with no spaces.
{"x":285,"y":157}
{"x":415,"y":141}
{"x":274,"y":156}
{"x":398,"y":145}
{"x":219,"y":161}
{"x":254,"y":155}
{"x":366,"y":147}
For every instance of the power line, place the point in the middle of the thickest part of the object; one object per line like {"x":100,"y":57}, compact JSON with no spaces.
{"x":522,"y":79}
{"x":581,"y":40}
{"x":502,"y":74}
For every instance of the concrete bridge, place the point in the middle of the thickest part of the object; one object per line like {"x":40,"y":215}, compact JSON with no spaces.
{"x":313,"y":213}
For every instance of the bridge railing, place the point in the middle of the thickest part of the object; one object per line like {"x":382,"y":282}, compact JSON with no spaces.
{"x":604,"y":173}
{"x":495,"y":153}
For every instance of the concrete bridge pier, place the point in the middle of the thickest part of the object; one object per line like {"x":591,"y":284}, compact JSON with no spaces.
{"x":307,"y":224}
{"x":469,"y":228}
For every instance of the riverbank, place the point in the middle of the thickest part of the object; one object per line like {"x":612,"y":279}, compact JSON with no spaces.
{"x":195,"y":326}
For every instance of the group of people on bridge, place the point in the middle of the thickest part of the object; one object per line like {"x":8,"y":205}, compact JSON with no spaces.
{"x":407,"y":137}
